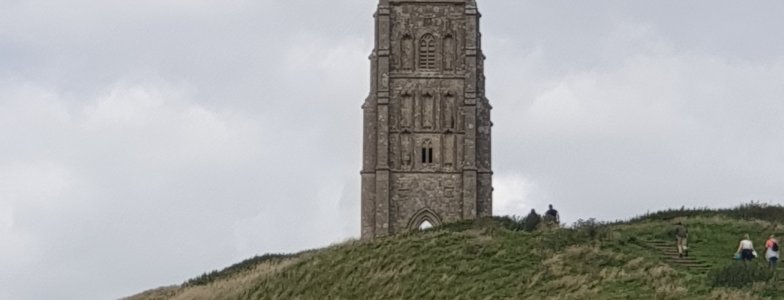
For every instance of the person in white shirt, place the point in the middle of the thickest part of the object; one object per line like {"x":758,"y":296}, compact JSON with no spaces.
{"x":746,"y":248}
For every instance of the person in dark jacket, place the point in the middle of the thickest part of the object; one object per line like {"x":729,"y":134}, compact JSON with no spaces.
{"x":551,"y":217}
{"x":681,"y":237}
{"x":532,"y":221}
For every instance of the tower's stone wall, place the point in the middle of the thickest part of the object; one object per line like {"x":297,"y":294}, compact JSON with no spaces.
{"x":426,"y":154}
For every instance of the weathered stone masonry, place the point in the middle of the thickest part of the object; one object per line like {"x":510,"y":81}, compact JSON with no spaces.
{"x":426,"y":154}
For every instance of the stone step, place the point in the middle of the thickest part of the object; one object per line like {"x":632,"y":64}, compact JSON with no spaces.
{"x":662,"y":242}
{"x":688,"y":262}
{"x":694,"y":266}
{"x":667,"y":249}
{"x":669,"y":252}
{"x":678,"y":257}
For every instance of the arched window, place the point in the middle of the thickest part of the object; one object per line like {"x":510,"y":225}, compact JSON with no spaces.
{"x":427,"y":152}
{"x":427,"y":52}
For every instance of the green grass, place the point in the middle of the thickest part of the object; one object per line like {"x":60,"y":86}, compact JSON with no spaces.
{"x":491,"y":259}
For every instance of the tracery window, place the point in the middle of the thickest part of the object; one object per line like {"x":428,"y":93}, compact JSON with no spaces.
{"x":427,"y":52}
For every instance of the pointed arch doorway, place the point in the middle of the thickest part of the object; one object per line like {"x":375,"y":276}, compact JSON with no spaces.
{"x":424,"y":219}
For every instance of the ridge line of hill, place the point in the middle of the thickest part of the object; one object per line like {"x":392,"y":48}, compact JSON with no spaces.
{"x":498,"y":258}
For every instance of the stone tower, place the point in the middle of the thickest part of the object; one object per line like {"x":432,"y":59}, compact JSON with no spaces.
{"x":426,"y":154}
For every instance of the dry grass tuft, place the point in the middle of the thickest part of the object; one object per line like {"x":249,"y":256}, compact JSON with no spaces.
{"x":224,"y":289}
{"x":732,"y":294}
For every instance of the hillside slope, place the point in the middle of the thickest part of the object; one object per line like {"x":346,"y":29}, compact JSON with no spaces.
{"x":489,"y":259}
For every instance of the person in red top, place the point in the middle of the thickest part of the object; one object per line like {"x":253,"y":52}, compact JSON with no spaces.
{"x":772,"y":251}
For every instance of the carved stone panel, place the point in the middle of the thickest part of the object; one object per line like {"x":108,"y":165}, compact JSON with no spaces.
{"x":406,"y":110}
{"x":449,"y":111}
{"x":394,"y":149}
{"x":439,"y":193}
{"x":450,"y":51}
{"x":406,"y":56}
{"x":406,"y":152}
{"x":426,"y":37}
{"x":449,"y":152}
{"x":427,"y":104}
{"x":427,"y":110}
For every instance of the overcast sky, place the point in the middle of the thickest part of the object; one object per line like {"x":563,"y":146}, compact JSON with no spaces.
{"x":145,"y":142}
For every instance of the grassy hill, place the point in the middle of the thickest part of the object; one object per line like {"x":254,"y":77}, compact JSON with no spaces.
{"x":496,"y":259}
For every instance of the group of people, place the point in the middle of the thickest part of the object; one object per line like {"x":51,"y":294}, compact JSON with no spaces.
{"x":745,"y":251}
{"x":550,"y":218}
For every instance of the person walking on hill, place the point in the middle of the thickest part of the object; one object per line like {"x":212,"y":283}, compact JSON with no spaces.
{"x":681,"y":237}
{"x":746,"y":248}
{"x":532,"y":221}
{"x":772,"y":251}
{"x":551,"y":217}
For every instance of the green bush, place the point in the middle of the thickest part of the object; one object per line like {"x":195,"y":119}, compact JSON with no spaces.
{"x":528,"y":223}
{"x":592,"y":228}
{"x":513,"y":223}
{"x":740,"y":274}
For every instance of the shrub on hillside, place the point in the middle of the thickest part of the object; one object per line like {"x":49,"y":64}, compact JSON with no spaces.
{"x":740,"y":274}
{"x":514,"y":223}
{"x":592,"y":228}
{"x":528,"y":223}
